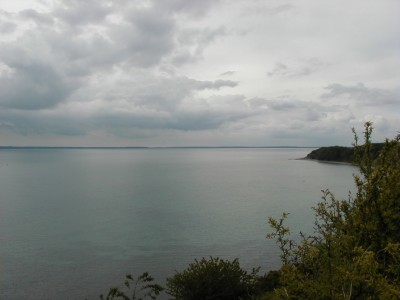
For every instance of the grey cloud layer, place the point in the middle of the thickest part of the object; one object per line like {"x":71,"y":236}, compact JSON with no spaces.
{"x":54,"y":58}
{"x":363,"y":94}
{"x":231,"y":68}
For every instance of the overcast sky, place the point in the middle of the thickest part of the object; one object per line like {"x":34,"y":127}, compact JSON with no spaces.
{"x":197,"y":72}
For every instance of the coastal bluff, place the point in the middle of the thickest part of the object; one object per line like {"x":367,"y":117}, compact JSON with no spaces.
{"x":340,"y":153}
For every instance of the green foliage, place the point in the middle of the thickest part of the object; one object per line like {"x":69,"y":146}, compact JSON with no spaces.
{"x":354,"y":252}
{"x":140,"y":288}
{"x":334,"y":153}
{"x":267,"y":284}
{"x":378,"y":195}
{"x":214,"y":278}
{"x":341,"y":154}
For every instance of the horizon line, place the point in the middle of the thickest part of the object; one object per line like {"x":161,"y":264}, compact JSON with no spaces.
{"x":148,"y":147}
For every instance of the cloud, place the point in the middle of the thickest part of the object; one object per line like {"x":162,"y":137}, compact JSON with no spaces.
{"x":7,"y":23}
{"x":362,"y":94}
{"x":268,"y":9}
{"x":123,"y":33}
{"x":215,"y":84}
{"x":292,"y":110}
{"x":128,"y":102}
{"x":154,"y":91}
{"x":300,"y":68}
{"x":168,"y":93}
{"x":37,"y":17}
{"x":43,"y":122}
{"x":78,"y":13}
{"x":227,"y":73}
{"x":191,"y":43}
{"x":146,"y":40}
{"x":7,"y":27}
{"x":280,"y":69}
{"x":210,"y":113}
{"x":191,"y":8}
{"x":74,"y":119}
{"x":33,"y":86}
{"x":125,"y":69}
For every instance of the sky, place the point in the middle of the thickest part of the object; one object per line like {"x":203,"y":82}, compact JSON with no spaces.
{"x":198,"y":73}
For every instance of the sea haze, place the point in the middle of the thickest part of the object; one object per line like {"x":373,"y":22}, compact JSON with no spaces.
{"x":73,"y":222}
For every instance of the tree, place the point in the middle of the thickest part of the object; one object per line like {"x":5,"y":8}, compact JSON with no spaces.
{"x":214,"y":278}
{"x":354,"y":252}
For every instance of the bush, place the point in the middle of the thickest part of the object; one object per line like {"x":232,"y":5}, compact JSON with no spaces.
{"x":139,"y":288}
{"x":214,"y":278}
{"x":354,"y":252}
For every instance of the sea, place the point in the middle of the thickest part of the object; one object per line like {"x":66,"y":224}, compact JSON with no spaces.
{"x":74,"y":222}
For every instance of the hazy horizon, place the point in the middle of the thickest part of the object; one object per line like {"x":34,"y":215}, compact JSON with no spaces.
{"x":144,"y":147}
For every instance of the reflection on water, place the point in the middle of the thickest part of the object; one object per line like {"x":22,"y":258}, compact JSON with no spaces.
{"x":74,"y":222}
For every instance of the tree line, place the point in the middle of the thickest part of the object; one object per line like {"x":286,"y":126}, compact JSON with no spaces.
{"x":341,"y":154}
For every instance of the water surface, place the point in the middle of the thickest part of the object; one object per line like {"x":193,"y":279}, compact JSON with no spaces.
{"x":73,"y":222}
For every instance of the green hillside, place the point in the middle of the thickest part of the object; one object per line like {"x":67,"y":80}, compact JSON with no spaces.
{"x":340,"y":154}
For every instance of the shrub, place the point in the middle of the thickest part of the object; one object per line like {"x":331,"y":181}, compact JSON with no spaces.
{"x":354,"y":252}
{"x":139,"y":288}
{"x":213,"y":278}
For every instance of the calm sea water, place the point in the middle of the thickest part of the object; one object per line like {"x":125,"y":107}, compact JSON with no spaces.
{"x":74,"y":222}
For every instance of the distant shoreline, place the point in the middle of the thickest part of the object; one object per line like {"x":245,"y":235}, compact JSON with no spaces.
{"x":327,"y":161}
{"x":340,"y":155}
{"x":172,"y":147}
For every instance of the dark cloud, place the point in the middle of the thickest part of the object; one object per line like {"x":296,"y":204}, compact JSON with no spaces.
{"x":227,"y":73}
{"x":268,"y":9}
{"x":191,"y":43}
{"x":183,"y":56}
{"x":280,"y":69}
{"x":215,"y":84}
{"x":162,"y":93}
{"x":85,"y":40}
{"x":37,"y":17}
{"x":76,"y":13}
{"x":299,"y":68}
{"x":192,"y":8}
{"x":282,"y":8}
{"x":7,"y":23}
{"x":282,"y":103}
{"x":151,"y":103}
{"x":119,"y":67}
{"x":313,"y":114}
{"x":33,"y":86}
{"x":182,"y":119}
{"x":362,"y":94}
{"x":7,"y":27}
{"x":291,"y":110}
{"x":200,"y":36}
{"x":41,"y":122}
{"x":207,"y":119}
{"x":75,"y":121}
{"x":147,"y":39}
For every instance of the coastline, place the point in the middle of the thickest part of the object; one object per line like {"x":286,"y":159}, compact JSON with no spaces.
{"x":333,"y":162}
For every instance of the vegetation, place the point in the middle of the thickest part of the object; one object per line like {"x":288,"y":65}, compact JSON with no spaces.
{"x":354,"y":252}
{"x":334,"y":153}
{"x":140,"y":288}
{"x":214,"y":278}
{"x":341,"y":154}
